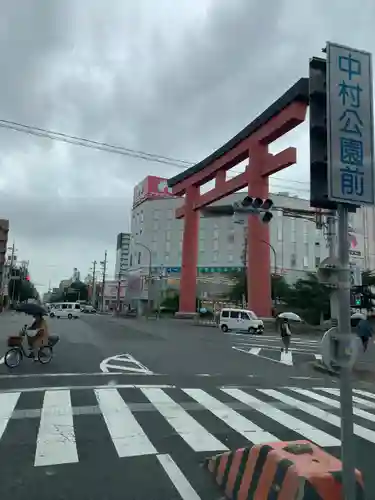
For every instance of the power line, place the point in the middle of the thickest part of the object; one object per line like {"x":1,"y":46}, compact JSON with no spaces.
{"x":107,"y":147}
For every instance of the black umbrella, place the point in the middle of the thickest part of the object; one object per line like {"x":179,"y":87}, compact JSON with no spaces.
{"x":32,"y":309}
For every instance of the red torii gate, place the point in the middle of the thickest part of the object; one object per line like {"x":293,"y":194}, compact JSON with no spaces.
{"x":252,"y":142}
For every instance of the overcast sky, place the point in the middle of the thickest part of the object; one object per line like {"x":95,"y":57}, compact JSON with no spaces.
{"x":175,"y":78}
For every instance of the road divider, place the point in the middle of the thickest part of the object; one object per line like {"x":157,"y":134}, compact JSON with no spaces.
{"x":284,"y":470}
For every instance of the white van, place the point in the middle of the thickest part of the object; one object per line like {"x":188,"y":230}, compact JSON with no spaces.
{"x":68,"y":310}
{"x":240,"y":320}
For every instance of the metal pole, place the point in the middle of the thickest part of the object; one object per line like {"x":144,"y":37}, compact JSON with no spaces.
{"x":331,"y":240}
{"x":149,"y":274}
{"x":103,"y":281}
{"x":274,"y":255}
{"x":344,"y":327}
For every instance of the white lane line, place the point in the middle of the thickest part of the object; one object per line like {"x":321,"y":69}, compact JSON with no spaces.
{"x":56,"y":443}
{"x":286,"y":358}
{"x":192,"y":432}
{"x":231,"y":418}
{"x":319,"y":437}
{"x":335,"y":404}
{"x":8,"y":402}
{"x":127,"y":435}
{"x":178,"y":479}
{"x":316,"y":412}
{"x":336,"y":392}
{"x":84,"y":387}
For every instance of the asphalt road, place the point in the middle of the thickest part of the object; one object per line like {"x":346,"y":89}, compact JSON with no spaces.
{"x":130,"y":409}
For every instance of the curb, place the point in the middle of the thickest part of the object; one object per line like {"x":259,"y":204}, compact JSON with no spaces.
{"x":320,"y":367}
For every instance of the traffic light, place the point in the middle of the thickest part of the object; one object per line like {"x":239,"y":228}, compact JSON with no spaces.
{"x":318,"y":134}
{"x":256,"y":206}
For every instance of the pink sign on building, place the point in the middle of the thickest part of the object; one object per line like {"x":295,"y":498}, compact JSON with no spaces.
{"x":151,"y":187}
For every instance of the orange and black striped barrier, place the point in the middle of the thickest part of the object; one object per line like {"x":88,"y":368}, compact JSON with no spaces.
{"x":296,"y":470}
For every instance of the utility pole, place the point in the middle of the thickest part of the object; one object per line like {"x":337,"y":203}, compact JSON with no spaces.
{"x":93,"y":290}
{"x":118,"y":299}
{"x":104,"y":270}
{"x":11,"y":273}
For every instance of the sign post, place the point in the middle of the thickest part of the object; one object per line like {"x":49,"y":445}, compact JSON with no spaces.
{"x":350,"y":182}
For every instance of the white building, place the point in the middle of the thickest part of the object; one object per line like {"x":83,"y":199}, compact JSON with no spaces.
{"x":297,"y":246}
{"x":122,"y":254}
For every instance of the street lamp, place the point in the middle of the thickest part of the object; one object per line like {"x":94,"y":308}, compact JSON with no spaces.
{"x":274,"y":254}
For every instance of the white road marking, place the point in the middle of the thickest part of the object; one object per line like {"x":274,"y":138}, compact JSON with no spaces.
{"x":316,"y":412}
{"x":127,"y":435}
{"x":8,"y":402}
{"x":364,"y":393}
{"x":336,"y":392}
{"x":312,"y":433}
{"x":335,"y":404}
{"x":178,"y":479}
{"x":56,"y":443}
{"x":286,"y":358}
{"x":255,"y":351}
{"x":124,"y":362}
{"x":195,"y":435}
{"x":84,"y":387}
{"x":235,"y":420}
{"x":277,"y":348}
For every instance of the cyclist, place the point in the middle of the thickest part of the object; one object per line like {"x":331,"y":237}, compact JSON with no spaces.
{"x":37,"y":335}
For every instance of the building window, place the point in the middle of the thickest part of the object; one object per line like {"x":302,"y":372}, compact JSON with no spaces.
{"x":230,"y":258}
{"x":154,"y":236}
{"x":167,"y":246}
{"x":131,"y":261}
{"x":166,"y":257}
{"x":156,"y":225}
{"x":168,"y":235}
{"x":215,"y":256}
{"x":305,"y":261}
{"x":216,"y":245}
{"x":141,"y":216}
{"x":169,"y":224}
{"x":170,"y":213}
{"x":156,"y":214}
{"x":154,"y":246}
{"x":216,"y":234}
{"x":139,"y":257}
{"x":293,"y":260}
{"x":317,"y":261}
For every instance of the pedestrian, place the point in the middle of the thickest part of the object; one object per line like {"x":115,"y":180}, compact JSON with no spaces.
{"x":286,"y":334}
{"x":365,"y":332}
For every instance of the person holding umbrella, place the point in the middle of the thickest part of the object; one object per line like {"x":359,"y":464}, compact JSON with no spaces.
{"x":286,"y":334}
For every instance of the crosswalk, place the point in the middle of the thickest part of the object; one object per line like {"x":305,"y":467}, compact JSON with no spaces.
{"x":269,"y":346}
{"x":205,"y":421}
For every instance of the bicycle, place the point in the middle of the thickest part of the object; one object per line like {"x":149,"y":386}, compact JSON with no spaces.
{"x":14,"y":356}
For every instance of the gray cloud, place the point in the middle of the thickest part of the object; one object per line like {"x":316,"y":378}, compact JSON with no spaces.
{"x":174,"y":78}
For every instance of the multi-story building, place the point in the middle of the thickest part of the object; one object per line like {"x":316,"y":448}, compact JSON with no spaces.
{"x":296,"y":245}
{"x":4,"y":229}
{"x":122,"y":254}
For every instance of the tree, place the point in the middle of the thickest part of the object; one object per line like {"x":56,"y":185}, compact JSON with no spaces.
{"x":368,"y":278}
{"x":310,"y":298}
{"x":239,"y":289}
{"x":21,"y":289}
{"x":77,"y":291}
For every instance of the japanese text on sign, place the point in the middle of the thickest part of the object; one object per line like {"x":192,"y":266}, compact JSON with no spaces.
{"x":350,"y":125}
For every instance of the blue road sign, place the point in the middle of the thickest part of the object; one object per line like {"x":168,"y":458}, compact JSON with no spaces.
{"x":350,"y":126}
